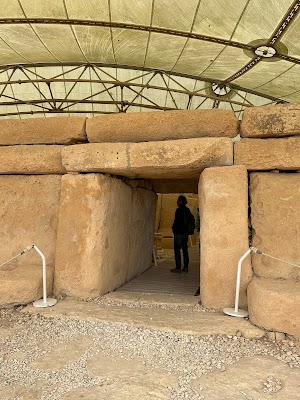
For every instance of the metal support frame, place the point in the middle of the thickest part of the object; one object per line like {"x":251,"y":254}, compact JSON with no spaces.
{"x":119,"y":94}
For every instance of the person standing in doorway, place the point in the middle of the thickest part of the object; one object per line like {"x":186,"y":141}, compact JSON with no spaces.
{"x":181,"y":231}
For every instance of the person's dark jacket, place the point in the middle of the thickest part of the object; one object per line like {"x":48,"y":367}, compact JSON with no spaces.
{"x":180,"y":225}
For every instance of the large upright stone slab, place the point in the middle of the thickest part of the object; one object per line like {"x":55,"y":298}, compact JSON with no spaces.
{"x":31,"y":160}
{"x":267,"y":154}
{"x":105,"y":234}
{"x":271,"y":121}
{"x":174,"y":159}
{"x":54,"y":130}
{"x":223,"y":200}
{"x":275,"y":220}
{"x":156,"y":126}
{"x":28,"y":214}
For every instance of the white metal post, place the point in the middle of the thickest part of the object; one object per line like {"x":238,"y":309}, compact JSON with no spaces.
{"x":45,"y":302}
{"x":236,"y":312}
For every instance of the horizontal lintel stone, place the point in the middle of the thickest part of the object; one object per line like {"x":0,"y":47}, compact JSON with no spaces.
{"x":54,"y":130}
{"x":267,"y":154}
{"x":174,"y":159}
{"x":31,"y":159}
{"x":271,"y":121}
{"x":156,"y":126}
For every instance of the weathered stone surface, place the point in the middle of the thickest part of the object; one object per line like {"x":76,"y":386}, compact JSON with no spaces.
{"x":271,"y":121}
{"x":109,"y":241}
{"x":23,"y":284}
{"x":38,"y":159}
{"x":274,"y":304}
{"x":175,"y":185}
{"x":156,"y":126}
{"x":28,"y":214}
{"x":161,"y":319}
{"x":223,"y":199}
{"x":176,"y":159}
{"x":246,"y":379}
{"x":54,"y":130}
{"x":275,"y":219}
{"x":266,"y":154}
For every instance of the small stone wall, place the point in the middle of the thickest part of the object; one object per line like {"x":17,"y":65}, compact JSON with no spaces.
{"x":274,"y":295}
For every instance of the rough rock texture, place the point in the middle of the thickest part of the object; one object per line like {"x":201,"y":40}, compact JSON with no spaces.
{"x":28,"y":214}
{"x":271,"y":121}
{"x":176,"y":159}
{"x":275,"y":219}
{"x":223,"y":199}
{"x":274,"y":304}
{"x":23,"y":284}
{"x":109,"y":242}
{"x":168,"y":125}
{"x":38,"y":159}
{"x":175,"y":185}
{"x":266,"y":154}
{"x":54,"y":130}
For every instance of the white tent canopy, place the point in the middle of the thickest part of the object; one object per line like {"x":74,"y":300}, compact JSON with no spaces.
{"x":103,"y":56}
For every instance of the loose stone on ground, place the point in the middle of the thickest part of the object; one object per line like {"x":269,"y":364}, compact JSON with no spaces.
{"x":101,"y":359}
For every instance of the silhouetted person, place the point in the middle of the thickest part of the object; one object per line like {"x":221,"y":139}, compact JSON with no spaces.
{"x":182,"y":227}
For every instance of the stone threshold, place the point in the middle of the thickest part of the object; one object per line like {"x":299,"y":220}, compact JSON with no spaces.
{"x":196,"y":323}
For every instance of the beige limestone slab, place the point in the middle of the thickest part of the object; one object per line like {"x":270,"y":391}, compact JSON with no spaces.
{"x":109,"y":241}
{"x":274,"y":304}
{"x":23,"y":284}
{"x":177,"y":159}
{"x":223,"y":203}
{"x":188,"y":322}
{"x":275,"y":220}
{"x":245,"y":379}
{"x":63,"y":354}
{"x":271,"y":121}
{"x":31,"y":160}
{"x":29,"y":214}
{"x":54,"y":130}
{"x":267,"y":154}
{"x":156,"y":126}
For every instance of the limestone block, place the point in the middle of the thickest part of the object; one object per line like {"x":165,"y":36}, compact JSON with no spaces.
{"x":274,"y":304}
{"x":271,"y":121}
{"x":29,"y":214}
{"x":23,"y":284}
{"x":177,"y":159}
{"x":223,"y":199}
{"x":275,"y":219}
{"x":109,"y":241}
{"x":54,"y":130}
{"x":266,"y":154}
{"x":38,"y":159}
{"x":156,"y":126}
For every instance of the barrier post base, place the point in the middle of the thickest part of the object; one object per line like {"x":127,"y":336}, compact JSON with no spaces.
{"x":240,"y":313}
{"x":43,"y":304}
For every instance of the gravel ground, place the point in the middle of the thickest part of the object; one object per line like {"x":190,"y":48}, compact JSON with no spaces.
{"x":188,"y":357}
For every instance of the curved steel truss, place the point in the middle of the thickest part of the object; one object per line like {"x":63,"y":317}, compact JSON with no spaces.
{"x":93,"y":89}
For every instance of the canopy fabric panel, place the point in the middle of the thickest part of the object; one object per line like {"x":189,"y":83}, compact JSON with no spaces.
{"x":248,"y":49}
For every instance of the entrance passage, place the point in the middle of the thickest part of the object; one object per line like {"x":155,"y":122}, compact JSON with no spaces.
{"x":160,"y":280}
